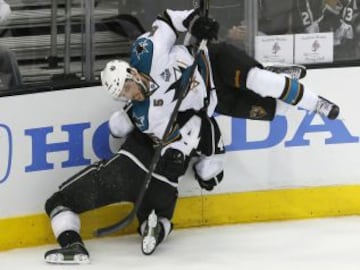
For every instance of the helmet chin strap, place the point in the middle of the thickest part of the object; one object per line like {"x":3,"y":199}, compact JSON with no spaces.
{"x":143,"y":88}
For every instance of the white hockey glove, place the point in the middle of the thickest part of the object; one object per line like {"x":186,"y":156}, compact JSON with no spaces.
{"x":209,"y":171}
{"x":120,"y":124}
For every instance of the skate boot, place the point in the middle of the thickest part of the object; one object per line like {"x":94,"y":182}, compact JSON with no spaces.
{"x":327,"y":108}
{"x":74,"y":253}
{"x":151,"y":235}
{"x":293,"y":71}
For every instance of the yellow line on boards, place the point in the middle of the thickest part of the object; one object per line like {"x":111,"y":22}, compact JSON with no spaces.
{"x":206,"y":210}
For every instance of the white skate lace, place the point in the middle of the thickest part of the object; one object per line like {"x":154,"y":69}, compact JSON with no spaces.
{"x":294,"y":72}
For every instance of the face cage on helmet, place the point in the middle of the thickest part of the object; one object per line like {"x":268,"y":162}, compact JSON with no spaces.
{"x":144,"y":90}
{"x":117,"y":95}
{"x":129,"y":76}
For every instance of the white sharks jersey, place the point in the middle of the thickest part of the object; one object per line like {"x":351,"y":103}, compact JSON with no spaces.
{"x":156,"y":55}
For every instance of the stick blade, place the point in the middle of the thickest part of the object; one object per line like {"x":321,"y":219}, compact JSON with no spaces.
{"x":116,"y":226}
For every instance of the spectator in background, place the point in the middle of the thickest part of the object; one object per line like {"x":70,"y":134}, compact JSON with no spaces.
{"x":275,"y":16}
{"x":338,"y":16}
{"x":145,"y":11}
{"x":10,"y":77}
{"x":356,"y":42}
{"x":237,"y":35}
{"x":229,"y":13}
{"x":306,"y":16}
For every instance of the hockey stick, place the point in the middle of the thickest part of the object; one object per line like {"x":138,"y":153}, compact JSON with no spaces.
{"x":184,"y":88}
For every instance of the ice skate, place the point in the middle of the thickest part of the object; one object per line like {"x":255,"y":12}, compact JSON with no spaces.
{"x":292,"y":70}
{"x":327,"y":108}
{"x":74,"y":253}
{"x":151,"y":235}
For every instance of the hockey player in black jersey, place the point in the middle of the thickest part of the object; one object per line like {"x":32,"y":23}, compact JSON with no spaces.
{"x":151,"y":91}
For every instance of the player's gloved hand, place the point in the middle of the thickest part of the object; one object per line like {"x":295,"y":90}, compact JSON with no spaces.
{"x":172,"y":164}
{"x":209,"y":184}
{"x":204,"y":28}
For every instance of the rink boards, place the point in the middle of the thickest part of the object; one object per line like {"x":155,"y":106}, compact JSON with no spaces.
{"x":298,"y":166}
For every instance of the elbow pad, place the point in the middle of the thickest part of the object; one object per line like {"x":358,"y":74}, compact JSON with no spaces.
{"x":120,"y":124}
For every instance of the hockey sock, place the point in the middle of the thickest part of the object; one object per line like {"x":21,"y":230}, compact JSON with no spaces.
{"x":293,"y":91}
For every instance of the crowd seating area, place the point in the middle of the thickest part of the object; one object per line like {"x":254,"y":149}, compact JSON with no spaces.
{"x":27,"y":34}
{"x":37,"y":33}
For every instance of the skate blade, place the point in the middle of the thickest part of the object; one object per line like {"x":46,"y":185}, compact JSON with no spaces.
{"x":148,"y":245}
{"x":59,"y":259}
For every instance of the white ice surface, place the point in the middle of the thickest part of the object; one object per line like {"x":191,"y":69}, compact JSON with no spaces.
{"x":329,"y":243}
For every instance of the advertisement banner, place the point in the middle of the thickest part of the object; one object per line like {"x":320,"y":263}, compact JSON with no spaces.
{"x":45,"y":138}
{"x":276,"y":48}
{"x":314,"y":48}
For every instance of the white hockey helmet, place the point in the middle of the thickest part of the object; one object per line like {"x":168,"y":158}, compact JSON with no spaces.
{"x":114,"y":75}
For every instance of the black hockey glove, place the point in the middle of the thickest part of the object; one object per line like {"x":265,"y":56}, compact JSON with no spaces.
{"x":172,"y":164}
{"x":210,"y":183}
{"x":204,"y":28}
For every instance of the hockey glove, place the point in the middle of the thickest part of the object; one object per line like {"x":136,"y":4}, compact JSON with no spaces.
{"x":204,"y":28}
{"x":210,"y":183}
{"x":172,"y":164}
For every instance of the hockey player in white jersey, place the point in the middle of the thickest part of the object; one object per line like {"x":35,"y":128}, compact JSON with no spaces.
{"x":151,"y":87}
{"x":152,"y":81}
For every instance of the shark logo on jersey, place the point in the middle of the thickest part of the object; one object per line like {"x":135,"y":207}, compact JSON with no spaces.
{"x":140,"y":114}
{"x":139,"y":121}
{"x":141,"y":55}
{"x":141,"y":48}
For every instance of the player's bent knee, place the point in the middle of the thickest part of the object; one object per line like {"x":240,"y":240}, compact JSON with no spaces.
{"x":53,"y":202}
